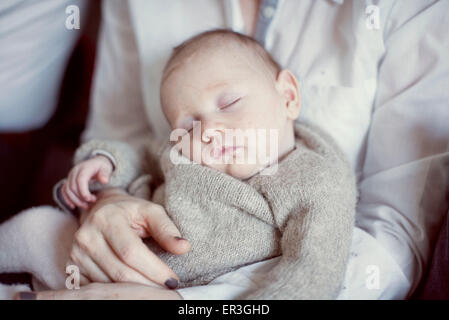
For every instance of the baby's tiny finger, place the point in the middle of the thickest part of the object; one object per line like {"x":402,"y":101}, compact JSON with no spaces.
{"x":66,"y":197}
{"x":83,"y":185}
{"x":75,"y":194}
{"x":103,"y":177}
{"x":75,"y":199}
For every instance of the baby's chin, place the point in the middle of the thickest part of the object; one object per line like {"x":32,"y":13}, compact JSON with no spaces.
{"x":238,"y":171}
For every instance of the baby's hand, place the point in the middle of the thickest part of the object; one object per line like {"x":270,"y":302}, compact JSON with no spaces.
{"x":75,"y":190}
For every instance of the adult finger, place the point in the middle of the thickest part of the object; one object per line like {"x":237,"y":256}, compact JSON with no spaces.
{"x":102,"y":254}
{"x":87,"y":266}
{"x":82,"y":278}
{"x":50,"y":295}
{"x":134,"y":253}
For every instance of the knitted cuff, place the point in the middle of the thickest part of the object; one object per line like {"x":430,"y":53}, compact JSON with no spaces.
{"x":105,"y":154}
{"x":125,"y":160}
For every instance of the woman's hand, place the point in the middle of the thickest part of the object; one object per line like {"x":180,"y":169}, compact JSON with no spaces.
{"x":104,"y":291}
{"x":108,"y":245}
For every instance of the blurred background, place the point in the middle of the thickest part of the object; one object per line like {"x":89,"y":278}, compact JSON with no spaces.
{"x":45,"y":78}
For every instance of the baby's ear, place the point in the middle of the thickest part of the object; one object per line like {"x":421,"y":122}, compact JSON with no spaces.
{"x":288,"y":87}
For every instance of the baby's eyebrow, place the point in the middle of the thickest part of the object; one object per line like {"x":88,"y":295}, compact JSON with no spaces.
{"x":217,"y":85}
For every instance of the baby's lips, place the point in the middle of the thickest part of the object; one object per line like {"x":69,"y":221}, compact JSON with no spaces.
{"x":219,"y":151}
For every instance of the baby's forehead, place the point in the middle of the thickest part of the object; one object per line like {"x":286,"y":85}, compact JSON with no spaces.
{"x":208,"y":76}
{"x":212,"y":52}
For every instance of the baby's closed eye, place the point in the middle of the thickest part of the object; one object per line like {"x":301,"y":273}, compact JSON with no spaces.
{"x":227,"y":102}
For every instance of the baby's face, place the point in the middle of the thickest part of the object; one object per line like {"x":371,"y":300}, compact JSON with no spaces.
{"x":214,"y":94}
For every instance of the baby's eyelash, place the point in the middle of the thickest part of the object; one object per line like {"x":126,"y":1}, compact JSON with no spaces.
{"x":230,"y":104}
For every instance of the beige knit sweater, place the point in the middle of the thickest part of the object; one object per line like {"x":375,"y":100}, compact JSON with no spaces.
{"x":304,"y":212}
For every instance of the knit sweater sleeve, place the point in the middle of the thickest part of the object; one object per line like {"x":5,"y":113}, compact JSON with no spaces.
{"x":313,"y":203}
{"x":127,"y":162}
{"x":314,"y":255}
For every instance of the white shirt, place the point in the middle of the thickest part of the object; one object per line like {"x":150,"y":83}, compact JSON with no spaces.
{"x":380,"y":92}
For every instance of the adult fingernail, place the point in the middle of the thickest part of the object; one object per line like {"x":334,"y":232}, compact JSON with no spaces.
{"x":180,"y":238}
{"x":27,"y":296}
{"x":171,"y":283}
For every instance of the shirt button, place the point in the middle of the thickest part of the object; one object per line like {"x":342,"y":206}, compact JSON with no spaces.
{"x":268,"y":12}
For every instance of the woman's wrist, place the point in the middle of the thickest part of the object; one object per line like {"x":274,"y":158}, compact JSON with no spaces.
{"x":103,"y":197}
{"x":111,"y":192}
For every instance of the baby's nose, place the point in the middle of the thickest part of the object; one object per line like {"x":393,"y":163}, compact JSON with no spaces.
{"x":211,"y":130}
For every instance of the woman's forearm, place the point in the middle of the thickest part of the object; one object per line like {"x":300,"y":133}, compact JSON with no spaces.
{"x":107,"y":291}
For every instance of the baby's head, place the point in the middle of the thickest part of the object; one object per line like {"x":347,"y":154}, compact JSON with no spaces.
{"x":220,"y":81}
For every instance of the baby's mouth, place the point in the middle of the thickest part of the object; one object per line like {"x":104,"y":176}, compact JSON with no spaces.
{"x":224,"y":150}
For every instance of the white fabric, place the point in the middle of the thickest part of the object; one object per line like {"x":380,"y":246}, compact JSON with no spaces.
{"x":381,"y":93}
{"x":37,"y":241}
{"x":358,"y":283}
{"x":34,"y":49}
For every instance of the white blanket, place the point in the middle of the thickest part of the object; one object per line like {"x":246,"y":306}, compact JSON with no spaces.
{"x":37,"y":241}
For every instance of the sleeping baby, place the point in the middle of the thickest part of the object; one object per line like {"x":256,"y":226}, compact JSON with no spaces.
{"x":242,"y":178}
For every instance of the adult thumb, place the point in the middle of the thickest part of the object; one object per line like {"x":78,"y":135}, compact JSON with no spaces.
{"x":162,"y":229}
